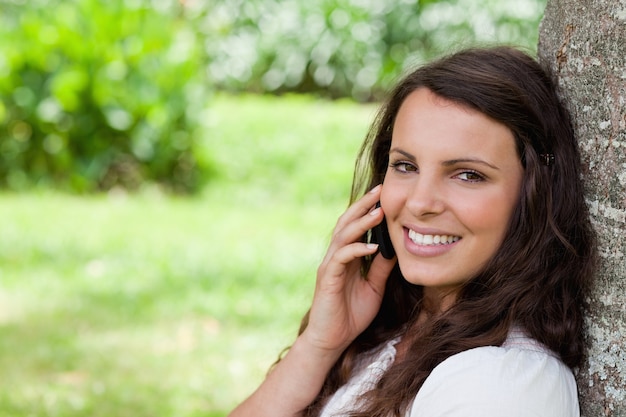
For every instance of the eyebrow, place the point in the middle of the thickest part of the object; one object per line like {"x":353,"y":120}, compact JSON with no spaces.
{"x":450,"y":162}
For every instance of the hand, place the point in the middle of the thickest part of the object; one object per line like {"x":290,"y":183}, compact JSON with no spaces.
{"x":345,"y":302}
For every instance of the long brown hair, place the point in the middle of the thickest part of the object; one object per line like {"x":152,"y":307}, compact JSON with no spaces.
{"x":540,"y":275}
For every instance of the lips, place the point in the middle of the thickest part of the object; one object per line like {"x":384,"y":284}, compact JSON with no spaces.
{"x":432,"y":240}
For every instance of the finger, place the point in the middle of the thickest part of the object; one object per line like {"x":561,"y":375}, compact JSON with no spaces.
{"x":379,"y":271}
{"x":358,"y":209}
{"x":338,"y":263}
{"x":353,"y":232}
{"x":353,"y":252}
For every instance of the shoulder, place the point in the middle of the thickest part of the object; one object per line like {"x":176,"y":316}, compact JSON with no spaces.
{"x":520,"y":378}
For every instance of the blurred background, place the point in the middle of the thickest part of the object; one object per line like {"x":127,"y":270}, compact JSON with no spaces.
{"x":170,"y":173}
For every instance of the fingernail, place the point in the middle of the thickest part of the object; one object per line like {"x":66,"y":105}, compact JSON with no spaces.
{"x":373,"y":190}
{"x":372,"y":246}
{"x":375,"y":211}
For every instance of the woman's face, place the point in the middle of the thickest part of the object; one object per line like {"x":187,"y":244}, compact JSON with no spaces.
{"x":453,"y":180}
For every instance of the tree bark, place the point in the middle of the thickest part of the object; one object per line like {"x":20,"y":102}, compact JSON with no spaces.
{"x":584,"y":43}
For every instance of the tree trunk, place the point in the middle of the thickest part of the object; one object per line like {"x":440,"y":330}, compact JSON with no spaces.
{"x":584,"y":43}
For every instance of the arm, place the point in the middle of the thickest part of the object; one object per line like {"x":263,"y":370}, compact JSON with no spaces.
{"x":344,"y":304}
{"x":292,"y":385}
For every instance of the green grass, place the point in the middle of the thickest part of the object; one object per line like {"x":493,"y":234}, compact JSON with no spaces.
{"x":148,"y":305}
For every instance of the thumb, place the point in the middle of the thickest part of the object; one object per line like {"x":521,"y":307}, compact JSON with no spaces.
{"x":379,"y":272}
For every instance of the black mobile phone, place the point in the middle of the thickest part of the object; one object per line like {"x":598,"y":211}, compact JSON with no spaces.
{"x":380,"y":235}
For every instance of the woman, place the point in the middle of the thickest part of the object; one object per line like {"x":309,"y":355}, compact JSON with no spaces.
{"x":480,"y":310}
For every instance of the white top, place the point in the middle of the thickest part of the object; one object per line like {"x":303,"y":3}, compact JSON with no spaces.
{"x":522,"y":378}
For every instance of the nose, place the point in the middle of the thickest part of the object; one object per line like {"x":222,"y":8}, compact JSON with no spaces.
{"x":425,"y":196}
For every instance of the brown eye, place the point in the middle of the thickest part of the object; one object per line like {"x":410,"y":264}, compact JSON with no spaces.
{"x":404,"y":167}
{"x":470,"y":176}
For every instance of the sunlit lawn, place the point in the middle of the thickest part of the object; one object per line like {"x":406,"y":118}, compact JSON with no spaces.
{"x":147,"y":305}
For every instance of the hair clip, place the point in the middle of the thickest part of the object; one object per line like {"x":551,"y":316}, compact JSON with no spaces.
{"x":547,"y":158}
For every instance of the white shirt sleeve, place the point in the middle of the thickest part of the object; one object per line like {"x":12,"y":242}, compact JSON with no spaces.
{"x":498,"y":381}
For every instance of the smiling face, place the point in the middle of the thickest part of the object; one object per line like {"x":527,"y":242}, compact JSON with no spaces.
{"x":453,"y":181}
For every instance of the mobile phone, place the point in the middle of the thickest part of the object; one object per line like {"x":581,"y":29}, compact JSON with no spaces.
{"x":380,"y":235}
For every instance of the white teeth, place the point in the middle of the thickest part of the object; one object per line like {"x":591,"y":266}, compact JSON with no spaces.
{"x":431,"y":240}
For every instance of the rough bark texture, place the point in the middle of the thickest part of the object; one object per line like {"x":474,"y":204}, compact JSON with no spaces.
{"x":584,"y":42}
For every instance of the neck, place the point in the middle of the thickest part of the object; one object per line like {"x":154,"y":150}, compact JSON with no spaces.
{"x":434,"y":303}
{"x":436,"y":300}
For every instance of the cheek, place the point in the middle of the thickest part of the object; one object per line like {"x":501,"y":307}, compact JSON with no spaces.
{"x":391,"y":199}
{"x":491,"y":216}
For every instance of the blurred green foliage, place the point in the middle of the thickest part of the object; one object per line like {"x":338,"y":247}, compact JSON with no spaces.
{"x":351,"y":48}
{"x":141,"y":305}
{"x":97,"y":94}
